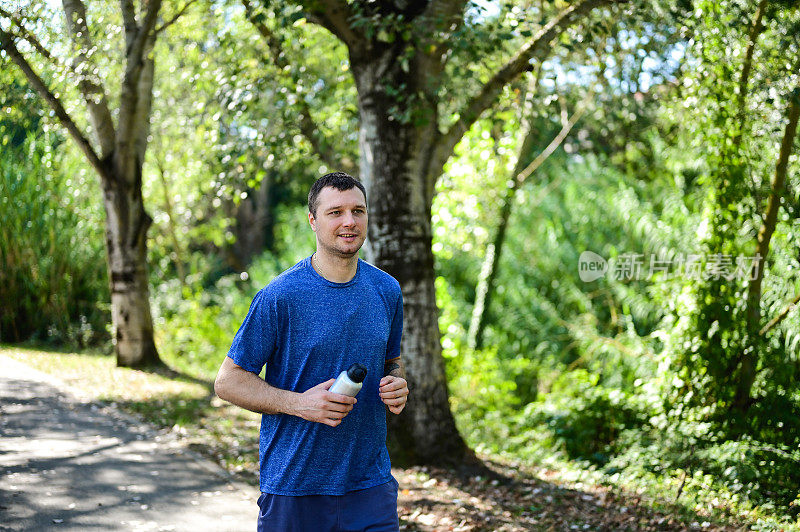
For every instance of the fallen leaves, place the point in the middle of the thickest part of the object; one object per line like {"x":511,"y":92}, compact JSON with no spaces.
{"x":505,"y":499}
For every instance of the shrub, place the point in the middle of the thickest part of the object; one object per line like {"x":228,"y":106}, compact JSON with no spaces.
{"x":53,"y":279}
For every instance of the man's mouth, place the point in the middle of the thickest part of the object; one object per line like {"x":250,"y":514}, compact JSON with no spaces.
{"x":349,"y":235}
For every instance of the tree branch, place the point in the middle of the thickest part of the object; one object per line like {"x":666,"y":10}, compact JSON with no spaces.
{"x":537,"y":48}
{"x":31,"y":39}
{"x":136,"y":51}
{"x":440,"y":15}
{"x":335,"y":15}
{"x":781,"y":315}
{"x":128,"y":21}
{"x":554,"y":144}
{"x":741,"y":99}
{"x":7,"y":44}
{"x":88,"y":83}
{"x":432,"y":29}
{"x":747,"y":366}
{"x":773,"y":204}
{"x":145,"y":100}
{"x":174,"y":19}
{"x":130,"y":106}
{"x":307,"y":126}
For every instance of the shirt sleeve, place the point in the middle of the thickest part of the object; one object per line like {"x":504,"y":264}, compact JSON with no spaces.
{"x":396,"y":331}
{"x":254,"y":342}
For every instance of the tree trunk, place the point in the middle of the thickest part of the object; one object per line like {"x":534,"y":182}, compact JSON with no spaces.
{"x":392,"y":167}
{"x":522,"y":170}
{"x":748,"y":369}
{"x":126,"y":244}
{"x":254,"y":231}
{"x":118,"y":161}
{"x":485,"y":288}
{"x":398,"y":65}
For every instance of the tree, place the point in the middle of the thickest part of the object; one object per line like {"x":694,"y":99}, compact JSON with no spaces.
{"x":399,"y":54}
{"x":747,"y":365}
{"x":118,"y":151}
{"x":522,"y":171}
{"x":735,"y":363}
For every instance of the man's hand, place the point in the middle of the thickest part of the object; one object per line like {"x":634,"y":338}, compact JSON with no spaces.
{"x":394,"y":393}
{"x":321,"y":406}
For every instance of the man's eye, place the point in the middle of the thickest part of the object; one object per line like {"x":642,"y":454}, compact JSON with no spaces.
{"x":335,"y":212}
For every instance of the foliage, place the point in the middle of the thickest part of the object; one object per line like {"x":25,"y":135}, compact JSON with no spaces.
{"x":53,"y":281}
{"x":719,"y":334}
{"x":594,"y":371}
{"x":237,"y":138}
{"x":196,"y":321}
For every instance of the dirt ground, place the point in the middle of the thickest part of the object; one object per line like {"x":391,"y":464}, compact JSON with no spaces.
{"x":504,"y":498}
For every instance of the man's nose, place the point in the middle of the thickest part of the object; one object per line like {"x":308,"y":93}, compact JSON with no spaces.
{"x":349,"y":219}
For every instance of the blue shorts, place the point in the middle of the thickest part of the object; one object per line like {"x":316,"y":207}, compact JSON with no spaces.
{"x":372,"y":509}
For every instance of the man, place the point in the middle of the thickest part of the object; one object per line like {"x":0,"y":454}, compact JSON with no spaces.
{"x":323,"y":459}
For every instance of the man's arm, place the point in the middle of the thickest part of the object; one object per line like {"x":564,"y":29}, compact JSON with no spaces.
{"x":247,"y":390}
{"x":393,"y":387}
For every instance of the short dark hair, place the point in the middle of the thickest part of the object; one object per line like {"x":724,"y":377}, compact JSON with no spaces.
{"x":337,"y":180}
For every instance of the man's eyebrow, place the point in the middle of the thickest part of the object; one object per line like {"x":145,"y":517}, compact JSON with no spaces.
{"x":340,"y":207}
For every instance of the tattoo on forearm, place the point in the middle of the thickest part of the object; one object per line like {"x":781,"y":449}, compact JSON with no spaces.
{"x":394,"y":368}
{"x":390,"y":367}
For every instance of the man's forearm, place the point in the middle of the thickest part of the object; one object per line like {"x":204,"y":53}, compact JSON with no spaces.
{"x":248,"y":390}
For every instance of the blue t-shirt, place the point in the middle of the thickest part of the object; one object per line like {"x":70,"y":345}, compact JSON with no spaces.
{"x":307,"y":330}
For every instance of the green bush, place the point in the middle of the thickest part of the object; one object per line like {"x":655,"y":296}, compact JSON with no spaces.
{"x":53,"y":279}
{"x":195,"y":323}
{"x":588,"y":418}
{"x":195,"y":326}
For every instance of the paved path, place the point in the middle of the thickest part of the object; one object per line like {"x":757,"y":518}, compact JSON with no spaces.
{"x":69,"y":465}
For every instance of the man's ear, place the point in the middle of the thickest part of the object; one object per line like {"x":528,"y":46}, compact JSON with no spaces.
{"x":312,"y":222}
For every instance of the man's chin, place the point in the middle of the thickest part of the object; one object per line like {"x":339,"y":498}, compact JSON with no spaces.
{"x":347,"y":253}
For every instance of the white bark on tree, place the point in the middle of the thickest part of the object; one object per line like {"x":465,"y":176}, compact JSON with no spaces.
{"x":89,"y":81}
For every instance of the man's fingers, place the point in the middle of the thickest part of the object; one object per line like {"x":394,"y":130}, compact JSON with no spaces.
{"x":394,"y":384}
{"x":394,"y":393}
{"x":340,"y":398}
{"x":325,"y":385}
{"x":394,"y":402}
{"x":339,"y":407}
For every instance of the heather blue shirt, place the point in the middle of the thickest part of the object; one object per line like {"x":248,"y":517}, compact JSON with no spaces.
{"x":306,"y":330}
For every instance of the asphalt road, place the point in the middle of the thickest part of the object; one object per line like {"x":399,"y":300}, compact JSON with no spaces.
{"x":70,"y":465}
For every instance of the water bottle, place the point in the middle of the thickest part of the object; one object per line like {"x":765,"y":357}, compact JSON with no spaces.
{"x":349,"y":382}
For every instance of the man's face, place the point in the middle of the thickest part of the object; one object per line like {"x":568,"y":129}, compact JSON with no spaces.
{"x":341,"y":221}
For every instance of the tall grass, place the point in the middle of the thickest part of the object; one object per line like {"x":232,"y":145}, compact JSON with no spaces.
{"x":53,"y":280}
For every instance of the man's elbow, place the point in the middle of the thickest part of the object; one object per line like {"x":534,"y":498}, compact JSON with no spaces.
{"x":221,"y":386}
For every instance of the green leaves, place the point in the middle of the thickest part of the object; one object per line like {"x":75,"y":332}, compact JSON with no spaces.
{"x":52,"y":266}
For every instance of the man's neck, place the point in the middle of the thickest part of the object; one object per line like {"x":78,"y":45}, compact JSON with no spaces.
{"x":333,"y":268}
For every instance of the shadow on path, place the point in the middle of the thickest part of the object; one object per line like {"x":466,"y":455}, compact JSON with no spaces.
{"x":68,"y":465}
